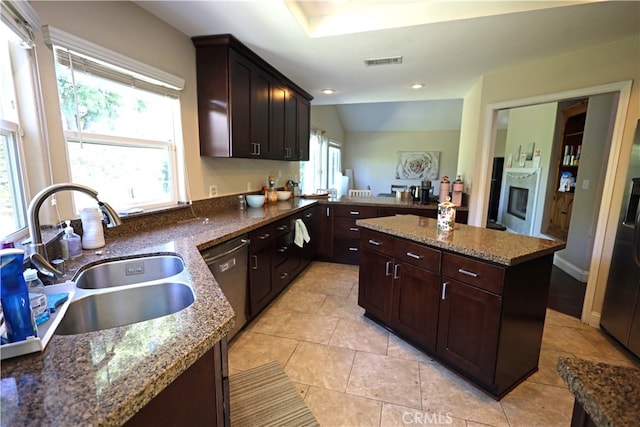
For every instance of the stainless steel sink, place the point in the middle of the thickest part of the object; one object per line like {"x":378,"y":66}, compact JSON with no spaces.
{"x":129,"y":271}
{"x":94,"y":311}
{"x":121,"y":292}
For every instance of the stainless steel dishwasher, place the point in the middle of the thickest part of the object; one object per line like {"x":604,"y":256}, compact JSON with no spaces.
{"x":228,"y":263}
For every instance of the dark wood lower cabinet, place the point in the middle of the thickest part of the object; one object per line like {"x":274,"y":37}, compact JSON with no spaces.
{"x":483,"y":320}
{"x":415,"y":304}
{"x":468,"y":328}
{"x":198,"y":397}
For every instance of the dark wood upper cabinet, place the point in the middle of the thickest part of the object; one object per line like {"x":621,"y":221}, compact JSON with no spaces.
{"x":247,"y":108}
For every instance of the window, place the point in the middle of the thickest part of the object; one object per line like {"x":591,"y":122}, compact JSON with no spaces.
{"x":15,"y":39}
{"x":323,"y":170}
{"x":334,"y":171}
{"x":121,"y":124}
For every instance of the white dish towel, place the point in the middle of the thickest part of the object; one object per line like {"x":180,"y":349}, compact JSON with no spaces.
{"x":301,"y":234}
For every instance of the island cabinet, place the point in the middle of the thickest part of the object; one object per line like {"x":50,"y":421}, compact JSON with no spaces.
{"x":402,"y":286}
{"x":483,"y":320}
{"x":177,"y":404}
{"x":246,"y":108}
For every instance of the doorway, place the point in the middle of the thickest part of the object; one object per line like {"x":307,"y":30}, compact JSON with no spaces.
{"x":600,"y":248}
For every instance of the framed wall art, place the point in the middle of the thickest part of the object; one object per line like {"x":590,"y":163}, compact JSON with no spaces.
{"x":417,"y":165}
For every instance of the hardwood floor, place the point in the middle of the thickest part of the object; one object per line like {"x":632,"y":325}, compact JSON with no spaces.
{"x":566,"y":294}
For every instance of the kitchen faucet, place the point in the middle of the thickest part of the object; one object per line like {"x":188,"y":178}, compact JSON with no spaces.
{"x":38,"y":251}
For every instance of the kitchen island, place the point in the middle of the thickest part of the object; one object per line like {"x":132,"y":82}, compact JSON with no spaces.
{"x":473,"y":298}
{"x":106,"y":377}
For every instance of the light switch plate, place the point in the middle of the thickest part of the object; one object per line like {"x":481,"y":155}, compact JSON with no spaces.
{"x":585,"y":184}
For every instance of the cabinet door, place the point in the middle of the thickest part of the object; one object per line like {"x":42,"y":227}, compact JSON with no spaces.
{"x":240,"y":99}
{"x":416,"y":294}
{"x":324,"y":231}
{"x":277,"y":121}
{"x":261,"y":92}
{"x":468,"y":328}
{"x":260,"y":285}
{"x":309,"y":249}
{"x":376,"y":284}
{"x":291,"y":127}
{"x":304,"y":112}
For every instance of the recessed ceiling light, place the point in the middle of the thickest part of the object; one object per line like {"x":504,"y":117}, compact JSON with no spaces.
{"x":417,"y":86}
{"x":328,"y":91}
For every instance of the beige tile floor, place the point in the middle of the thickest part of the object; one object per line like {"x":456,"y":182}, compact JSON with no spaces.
{"x":352,"y":372}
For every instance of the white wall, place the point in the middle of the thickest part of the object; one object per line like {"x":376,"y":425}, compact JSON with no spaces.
{"x":372,"y":155}
{"x":533,"y":124}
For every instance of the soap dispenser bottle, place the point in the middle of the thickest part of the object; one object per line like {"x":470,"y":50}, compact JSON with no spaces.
{"x":71,"y":244}
{"x":14,"y":297}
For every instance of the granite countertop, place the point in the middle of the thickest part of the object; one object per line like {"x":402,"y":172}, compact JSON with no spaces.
{"x":104,"y":377}
{"x":385,"y":202}
{"x":496,"y":246}
{"x":610,"y":394}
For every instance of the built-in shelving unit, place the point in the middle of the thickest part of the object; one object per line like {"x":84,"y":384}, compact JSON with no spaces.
{"x":569,"y":152}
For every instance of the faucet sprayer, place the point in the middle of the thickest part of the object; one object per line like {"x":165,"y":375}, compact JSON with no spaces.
{"x":110,"y":217}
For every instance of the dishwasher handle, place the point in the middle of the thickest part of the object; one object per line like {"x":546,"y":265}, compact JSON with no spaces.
{"x":212,"y":259}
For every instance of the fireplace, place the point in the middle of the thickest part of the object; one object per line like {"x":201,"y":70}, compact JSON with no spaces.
{"x":517,"y":204}
{"x":518,"y":201}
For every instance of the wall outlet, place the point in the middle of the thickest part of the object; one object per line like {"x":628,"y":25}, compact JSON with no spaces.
{"x":213,"y":190}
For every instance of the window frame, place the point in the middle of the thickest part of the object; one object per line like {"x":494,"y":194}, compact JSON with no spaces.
{"x":21,"y":190}
{"x":113,"y":66}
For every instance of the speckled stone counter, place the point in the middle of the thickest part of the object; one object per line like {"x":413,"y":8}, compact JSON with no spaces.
{"x":609,"y":394}
{"x":386,"y":202}
{"x":104,"y":377}
{"x":491,"y":245}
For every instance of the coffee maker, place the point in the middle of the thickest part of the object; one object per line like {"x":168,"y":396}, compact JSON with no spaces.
{"x":425,"y":190}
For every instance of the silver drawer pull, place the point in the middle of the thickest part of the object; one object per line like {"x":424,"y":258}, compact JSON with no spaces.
{"x":444,"y":290}
{"x":468,"y":273}
{"x":284,"y":275}
{"x":353,"y":229}
{"x":415,"y":256}
{"x":282,"y":249}
{"x":264,"y":236}
{"x":375,"y":242}
{"x":354,"y":213}
{"x":353,"y":249}
{"x":308,"y":215}
{"x":255,"y":262}
{"x":387,"y":268}
{"x":396,"y":271}
{"x":281,"y":228}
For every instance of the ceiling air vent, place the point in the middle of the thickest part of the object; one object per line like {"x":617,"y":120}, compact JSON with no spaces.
{"x":383,"y":61}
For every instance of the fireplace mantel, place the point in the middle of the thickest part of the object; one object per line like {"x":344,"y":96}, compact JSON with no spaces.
{"x":526,"y":182}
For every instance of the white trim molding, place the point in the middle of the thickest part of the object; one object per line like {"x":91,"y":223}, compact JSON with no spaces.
{"x":55,"y":36}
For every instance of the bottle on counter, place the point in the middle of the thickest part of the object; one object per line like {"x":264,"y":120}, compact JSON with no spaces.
{"x":92,"y":232}
{"x":37,"y":296}
{"x":70,"y":243}
{"x":14,"y":297}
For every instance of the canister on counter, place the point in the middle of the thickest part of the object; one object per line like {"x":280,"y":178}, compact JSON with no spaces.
{"x":446,"y":215}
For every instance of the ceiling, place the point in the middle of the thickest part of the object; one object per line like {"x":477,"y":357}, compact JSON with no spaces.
{"x":446,"y":45}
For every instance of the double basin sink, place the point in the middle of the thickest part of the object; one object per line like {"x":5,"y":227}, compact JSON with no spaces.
{"x":122,"y":292}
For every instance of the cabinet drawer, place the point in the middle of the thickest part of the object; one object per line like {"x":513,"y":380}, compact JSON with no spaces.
{"x":261,"y":237}
{"x":282,"y":226}
{"x":281,"y":249}
{"x":357,"y":212}
{"x":345,"y":228}
{"x":347,"y":251}
{"x":474,"y":272}
{"x":378,"y":242}
{"x":418,"y":255}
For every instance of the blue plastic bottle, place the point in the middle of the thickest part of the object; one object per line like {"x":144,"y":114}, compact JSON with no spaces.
{"x":14,"y":297}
